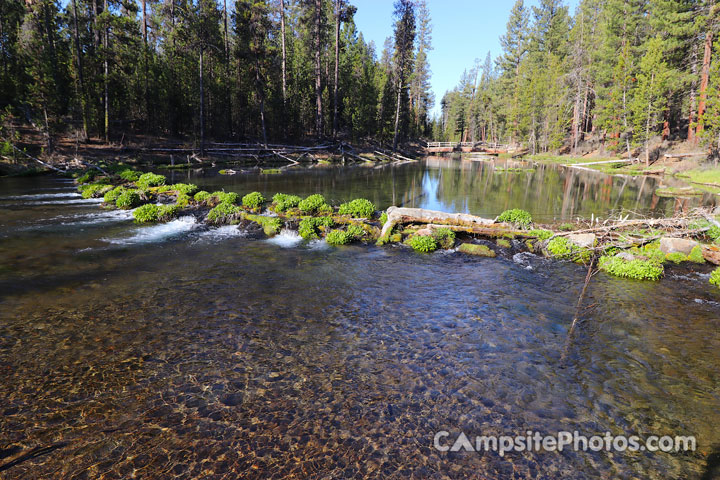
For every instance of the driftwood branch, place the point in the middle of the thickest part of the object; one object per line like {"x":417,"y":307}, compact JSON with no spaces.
{"x":401,"y":215}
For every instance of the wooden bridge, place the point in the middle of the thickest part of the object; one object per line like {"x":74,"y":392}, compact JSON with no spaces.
{"x":466,"y":147}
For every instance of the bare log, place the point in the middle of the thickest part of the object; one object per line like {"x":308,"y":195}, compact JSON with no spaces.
{"x":419,"y":215}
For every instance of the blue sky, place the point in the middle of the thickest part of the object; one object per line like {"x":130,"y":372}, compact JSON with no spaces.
{"x":463,"y":30}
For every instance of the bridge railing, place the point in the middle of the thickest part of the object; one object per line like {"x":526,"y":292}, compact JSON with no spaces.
{"x":465,"y":144}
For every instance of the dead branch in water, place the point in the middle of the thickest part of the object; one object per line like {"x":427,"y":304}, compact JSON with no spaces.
{"x":576,"y":318}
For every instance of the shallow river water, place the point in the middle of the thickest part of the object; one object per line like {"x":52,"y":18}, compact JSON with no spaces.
{"x":176,"y":351}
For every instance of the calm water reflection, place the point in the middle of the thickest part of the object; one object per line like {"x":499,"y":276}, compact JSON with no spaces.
{"x":180,"y":352}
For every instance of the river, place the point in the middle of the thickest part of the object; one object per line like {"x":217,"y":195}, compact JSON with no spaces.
{"x":177,"y":351}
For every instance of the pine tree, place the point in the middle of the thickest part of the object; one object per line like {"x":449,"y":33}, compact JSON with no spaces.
{"x":404,"y":41}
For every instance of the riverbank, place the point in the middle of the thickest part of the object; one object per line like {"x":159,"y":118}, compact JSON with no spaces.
{"x":636,"y":249}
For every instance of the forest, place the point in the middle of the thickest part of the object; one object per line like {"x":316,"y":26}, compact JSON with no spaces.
{"x":617,"y":72}
{"x":252,"y":70}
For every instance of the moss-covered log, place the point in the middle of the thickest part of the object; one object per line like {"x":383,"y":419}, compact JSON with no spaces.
{"x":401,"y":215}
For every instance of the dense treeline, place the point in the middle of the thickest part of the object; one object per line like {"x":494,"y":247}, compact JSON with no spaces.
{"x":623,"y":71}
{"x":251,"y":70}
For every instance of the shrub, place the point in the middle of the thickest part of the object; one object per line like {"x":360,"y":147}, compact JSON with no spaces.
{"x":325,"y":209}
{"x":147,"y":180}
{"x":129,"y":175}
{"x":202,"y":196}
{"x":223,"y":213}
{"x":112,"y":195}
{"x":86,"y":177}
{"x":253,"y":200}
{"x":541,"y":234}
{"x":715,"y":277}
{"x":516,"y":217}
{"x":128,"y":199}
{"x":311,"y":204}
{"x":423,"y":243}
{"x":309,"y":226}
{"x":185,"y":188}
{"x":182,"y":200}
{"x":637,"y":269}
{"x":284,"y":202}
{"x":444,"y":237}
{"x":696,"y":255}
{"x":383,"y":218}
{"x":339,"y":237}
{"x":358,"y":208}
{"x":356,"y":231}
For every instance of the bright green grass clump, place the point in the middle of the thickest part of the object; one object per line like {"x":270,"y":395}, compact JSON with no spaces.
{"x":636,"y":269}
{"x":95,"y":190}
{"x":86,"y":177}
{"x":675,"y":257}
{"x":343,"y":237}
{"x":128,"y":199}
{"x":202,"y":196}
{"x":129,"y":175}
{"x":423,"y":243}
{"x":714,"y":233}
{"x":444,"y":237}
{"x":154,"y":213}
{"x":182,"y":200}
{"x":358,"y":208}
{"x":271,"y":225}
{"x":224,"y":212}
{"x":253,"y":200}
{"x":383,"y":218}
{"x":185,"y":188}
{"x":225,"y":197}
{"x":516,"y":216}
{"x":309,"y":226}
{"x":715,"y":277}
{"x":284,"y":201}
{"x":475,"y":249}
{"x":313,"y":203}
{"x":148,"y":180}
{"x":541,"y":234}
{"x":112,"y":195}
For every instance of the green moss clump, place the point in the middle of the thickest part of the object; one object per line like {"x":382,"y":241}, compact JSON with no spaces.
{"x":202,"y":196}
{"x":516,"y":216}
{"x":309,"y":226}
{"x":112,"y":195}
{"x":715,"y":277}
{"x":271,"y":225}
{"x":339,"y":237}
{"x":563,"y":248}
{"x":714,"y":233}
{"x":148,"y":180}
{"x":86,"y":177}
{"x":154,"y":213}
{"x":358,"y":208}
{"x":696,"y":255}
{"x":423,"y":243}
{"x":636,"y":269}
{"x":312,"y":204}
{"x":283,"y":201}
{"x":501,"y":242}
{"x":182,"y":200}
{"x":253,"y":200}
{"x":474,"y":249}
{"x":224,"y":212}
{"x":395,"y":238}
{"x":185,"y":188}
{"x":225,"y":197}
{"x":567,"y":227}
{"x":675,"y":257}
{"x":163,"y":189}
{"x":129,"y":175}
{"x":444,"y":237}
{"x":383,"y":218}
{"x":128,"y":199}
{"x":541,"y":234}
{"x":651,"y":251}
{"x":95,"y":190}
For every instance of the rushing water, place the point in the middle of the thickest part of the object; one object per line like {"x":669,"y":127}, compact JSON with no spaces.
{"x":177,"y":351}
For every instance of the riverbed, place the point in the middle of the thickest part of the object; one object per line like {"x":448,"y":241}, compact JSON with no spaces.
{"x":178,"y":351}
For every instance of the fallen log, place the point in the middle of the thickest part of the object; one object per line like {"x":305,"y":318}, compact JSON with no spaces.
{"x":402,"y":215}
{"x":681,"y":155}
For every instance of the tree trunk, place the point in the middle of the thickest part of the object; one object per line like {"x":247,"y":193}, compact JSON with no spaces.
{"x":318,"y":69}
{"x":146,"y":66}
{"x":105,"y":78}
{"x":81,"y":75}
{"x":202,"y":106}
{"x":337,"y":67}
{"x":228,"y":92}
{"x":284,"y":54}
{"x":419,"y":215}
{"x":704,"y":80}
{"x":693,"y":86}
{"x":397,"y":112}
{"x":261,"y":97}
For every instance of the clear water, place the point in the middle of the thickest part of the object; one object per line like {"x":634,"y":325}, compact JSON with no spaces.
{"x":177,"y":351}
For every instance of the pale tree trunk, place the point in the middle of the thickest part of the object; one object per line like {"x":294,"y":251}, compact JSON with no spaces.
{"x":145,"y":64}
{"x":228,"y":96}
{"x":647,"y":123}
{"x":397,"y":112}
{"x":202,"y":106}
{"x":318,"y":70}
{"x":693,"y":86}
{"x":105,"y":80}
{"x":284,"y":54}
{"x":81,"y":75}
